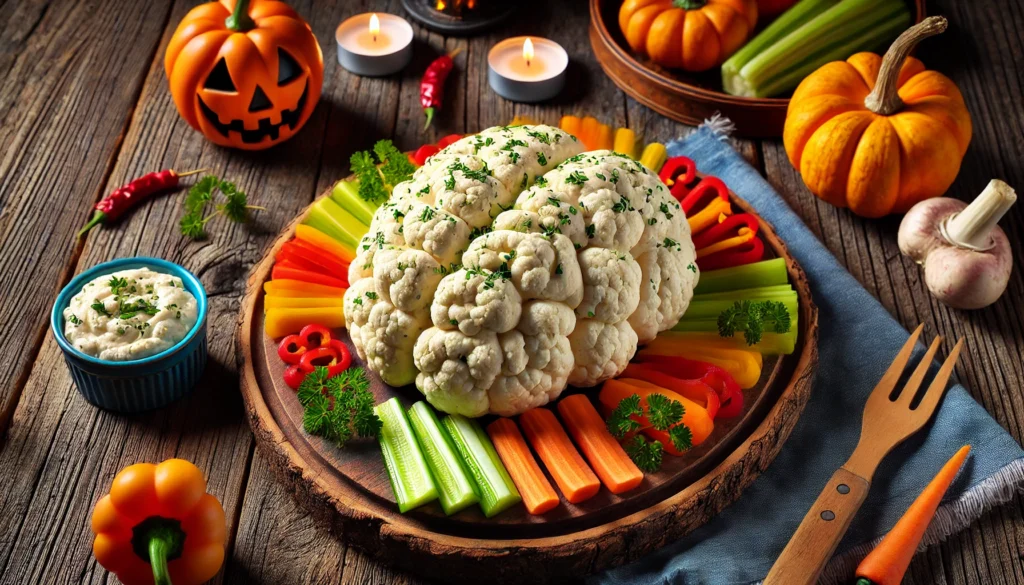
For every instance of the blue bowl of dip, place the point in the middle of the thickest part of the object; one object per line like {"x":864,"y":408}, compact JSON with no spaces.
{"x":146,"y":383}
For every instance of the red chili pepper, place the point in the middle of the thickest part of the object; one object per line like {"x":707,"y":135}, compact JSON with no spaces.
{"x":727,"y":228}
{"x":432,"y":85}
{"x":124,"y":197}
{"x":729,"y":394}
{"x":747,"y":253}
{"x":677,"y":174}
{"x":708,"y":186}
{"x":449,"y":140}
{"x":294,"y":375}
{"x":315,"y":336}
{"x":290,"y":349}
{"x":423,"y":153}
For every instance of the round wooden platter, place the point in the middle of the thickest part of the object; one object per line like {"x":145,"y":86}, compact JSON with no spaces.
{"x":348,"y":489}
{"x":689,"y":98}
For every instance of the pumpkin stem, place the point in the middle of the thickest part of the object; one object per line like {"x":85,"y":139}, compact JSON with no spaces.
{"x":240,"y":20}
{"x":885,"y":99}
{"x":689,"y":4}
{"x":971,"y":227}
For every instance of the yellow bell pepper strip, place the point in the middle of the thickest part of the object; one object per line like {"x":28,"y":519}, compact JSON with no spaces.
{"x":742,"y":364}
{"x":571,"y":124}
{"x":589,"y":130}
{"x":310,"y":234}
{"x":604,"y":139}
{"x":276,"y":302}
{"x":159,"y":525}
{"x":731,"y":232}
{"x":709,"y":216}
{"x":625,"y":142}
{"x":654,"y":156}
{"x":695,"y":417}
{"x":520,"y":120}
{"x":743,"y":235}
{"x":296,"y":288}
{"x":281,"y":322}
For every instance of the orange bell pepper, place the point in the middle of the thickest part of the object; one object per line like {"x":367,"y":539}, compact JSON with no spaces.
{"x":282,"y":321}
{"x":695,"y":418}
{"x":297,"y":288}
{"x":158,"y":525}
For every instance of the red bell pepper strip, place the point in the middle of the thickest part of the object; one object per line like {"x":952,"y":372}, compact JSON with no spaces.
{"x":729,"y":393}
{"x":695,"y":390}
{"x":708,"y":188}
{"x":727,"y":228}
{"x":746,"y":253}
{"x":316,"y":256}
{"x":290,"y":349}
{"x":419,"y":158}
{"x":677,"y":174}
{"x":126,"y":196}
{"x":291,"y":272}
{"x":432,"y":85}
{"x":314,"y":336}
{"x":290,"y":260}
{"x":294,"y":375}
{"x":447,"y":141}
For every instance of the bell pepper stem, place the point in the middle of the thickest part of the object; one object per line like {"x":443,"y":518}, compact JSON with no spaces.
{"x":430,"y":116}
{"x":157,"y":541}
{"x":159,"y":547}
{"x":240,"y":21}
{"x":863,"y":581}
{"x":97,"y":219}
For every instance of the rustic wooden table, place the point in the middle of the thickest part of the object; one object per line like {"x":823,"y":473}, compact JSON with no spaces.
{"x":84,"y":107}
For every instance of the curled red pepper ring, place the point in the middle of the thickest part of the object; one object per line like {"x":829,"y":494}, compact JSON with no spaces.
{"x":708,"y":186}
{"x":294,"y":375}
{"x":729,"y":227}
{"x":291,"y":348}
{"x":745,"y":253}
{"x":344,"y":356}
{"x":314,"y":336}
{"x":677,"y":174}
{"x":331,"y":358}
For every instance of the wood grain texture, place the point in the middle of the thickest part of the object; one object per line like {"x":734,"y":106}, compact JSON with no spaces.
{"x":84,"y":106}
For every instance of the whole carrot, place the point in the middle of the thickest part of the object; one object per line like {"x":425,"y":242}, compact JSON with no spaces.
{"x":432,"y":85}
{"x":126,"y":196}
{"x":887,"y":564}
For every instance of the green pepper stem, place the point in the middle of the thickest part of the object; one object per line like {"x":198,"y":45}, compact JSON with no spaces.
{"x":159,"y":547}
{"x":97,"y":219}
{"x":240,"y":20}
{"x":430,"y":116}
{"x":863,"y":581}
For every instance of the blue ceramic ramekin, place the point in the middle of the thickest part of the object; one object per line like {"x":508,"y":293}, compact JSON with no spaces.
{"x":142,"y":384}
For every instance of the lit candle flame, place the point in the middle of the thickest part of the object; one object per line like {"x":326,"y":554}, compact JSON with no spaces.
{"x":528,"y":51}
{"x":374,"y":26}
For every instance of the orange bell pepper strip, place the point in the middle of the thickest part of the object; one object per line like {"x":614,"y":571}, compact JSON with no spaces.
{"x":589,"y":130}
{"x":323,"y":241}
{"x":276,"y":302}
{"x":571,"y":125}
{"x":695,"y":417}
{"x":283,"y":321}
{"x":693,"y":389}
{"x":708,"y":216}
{"x":604,"y":138}
{"x":284,"y":287}
{"x":743,"y":365}
{"x":156,"y":513}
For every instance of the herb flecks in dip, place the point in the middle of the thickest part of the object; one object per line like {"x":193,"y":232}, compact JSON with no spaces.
{"x":129,"y":315}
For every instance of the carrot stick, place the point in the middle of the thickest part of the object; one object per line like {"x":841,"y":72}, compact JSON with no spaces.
{"x":533,"y":486}
{"x":603,"y":138}
{"x":693,"y":389}
{"x":571,"y":124}
{"x":617,"y":471}
{"x":589,"y":130}
{"x":563,"y":461}
{"x":695,"y":417}
{"x":887,"y":564}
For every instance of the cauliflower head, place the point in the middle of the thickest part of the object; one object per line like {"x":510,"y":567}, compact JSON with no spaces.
{"x":511,"y":265}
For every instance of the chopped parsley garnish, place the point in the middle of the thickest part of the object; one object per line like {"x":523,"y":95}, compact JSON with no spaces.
{"x":576,"y":178}
{"x":664,"y":414}
{"x":753,"y":318}
{"x":74,"y":320}
{"x":590,"y":231}
{"x":338,"y":408}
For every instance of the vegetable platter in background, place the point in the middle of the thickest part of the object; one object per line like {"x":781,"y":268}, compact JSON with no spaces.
{"x":441,"y":495}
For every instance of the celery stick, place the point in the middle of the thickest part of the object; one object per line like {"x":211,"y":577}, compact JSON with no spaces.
{"x":758,"y":274}
{"x":319,"y":219}
{"x":789,"y":21}
{"x":455,"y":488}
{"x":407,"y":468}
{"x":497,"y":492}
{"x":763,"y":292}
{"x":355,"y":228}
{"x":346,"y":194}
{"x":770,"y":344}
{"x":712,"y":309}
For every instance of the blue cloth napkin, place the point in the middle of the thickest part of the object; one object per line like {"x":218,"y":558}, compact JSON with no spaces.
{"x":857,"y":341}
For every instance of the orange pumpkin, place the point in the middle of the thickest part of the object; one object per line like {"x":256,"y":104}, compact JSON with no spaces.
{"x":694,"y":35}
{"x":246,"y":75}
{"x":878,"y":135}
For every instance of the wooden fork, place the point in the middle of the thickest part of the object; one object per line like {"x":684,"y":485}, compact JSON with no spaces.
{"x":887,"y":423}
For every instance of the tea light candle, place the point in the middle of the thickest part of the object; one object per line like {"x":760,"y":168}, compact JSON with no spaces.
{"x":527,"y":69}
{"x":374,"y":44}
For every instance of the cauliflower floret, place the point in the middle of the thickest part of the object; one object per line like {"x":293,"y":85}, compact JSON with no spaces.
{"x":359,"y":299}
{"x":601,"y":351}
{"x":669,"y":275}
{"x":473,"y":301}
{"x":388,"y":339}
{"x":465,"y":188}
{"x":542,"y":210}
{"x":406,"y":278}
{"x":437,"y":232}
{"x":611,"y":285}
{"x":455,"y":370}
{"x":540,"y":267}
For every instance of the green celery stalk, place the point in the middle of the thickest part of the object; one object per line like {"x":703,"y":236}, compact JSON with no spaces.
{"x":321,"y":220}
{"x":456,"y":489}
{"x":407,"y":468}
{"x":346,"y":194}
{"x":789,"y":21}
{"x":699,"y":310}
{"x":770,"y":344}
{"x":754,"y":275}
{"x":760,"y":293}
{"x":497,"y":492}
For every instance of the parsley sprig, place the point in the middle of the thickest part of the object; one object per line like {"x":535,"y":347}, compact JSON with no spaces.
{"x":235,"y":206}
{"x":379,"y":171}
{"x":664,"y":414}
{"x":753,"y":318}
{"x":338,"y":408}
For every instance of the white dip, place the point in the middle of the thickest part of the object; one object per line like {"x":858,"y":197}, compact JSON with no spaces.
{"x":130,"y":314}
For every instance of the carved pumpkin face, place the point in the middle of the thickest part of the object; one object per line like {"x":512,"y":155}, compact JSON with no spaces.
{"x":247,"y":89}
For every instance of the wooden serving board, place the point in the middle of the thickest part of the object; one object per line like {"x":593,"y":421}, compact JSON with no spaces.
{"x":348,"y":489}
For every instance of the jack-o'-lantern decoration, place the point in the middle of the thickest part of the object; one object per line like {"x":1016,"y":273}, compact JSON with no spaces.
{"x":245,"y":74}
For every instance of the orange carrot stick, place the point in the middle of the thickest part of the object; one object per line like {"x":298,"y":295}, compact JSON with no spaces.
{"x":695,"y":417}
{"x":534,"y":487}
{"x":563,"y":461}
{"x":571,"y":124}
{"x":617,"y":471}
{"x":589,"y":130}
{"x":887,"y":564}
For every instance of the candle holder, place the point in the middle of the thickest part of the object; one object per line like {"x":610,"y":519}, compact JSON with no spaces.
{"x":527,"y":69}
{"x":374,"y":44}
{"x":459,"y":17}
